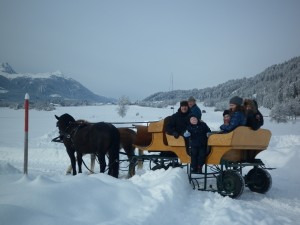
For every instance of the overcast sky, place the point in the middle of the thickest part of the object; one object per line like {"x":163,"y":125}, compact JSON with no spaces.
{"x":134,"y":47}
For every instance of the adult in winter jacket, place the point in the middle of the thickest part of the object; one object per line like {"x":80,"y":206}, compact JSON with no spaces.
{"x":197,"y":132}
{"x":178,"y":122}
{"x":237,"y":116}
{"x":195,"y":110}
{"x":254,"y":118}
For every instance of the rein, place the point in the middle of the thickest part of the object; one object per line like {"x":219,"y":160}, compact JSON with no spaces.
{"x":108,"y":166}
{"x":87,"y":167}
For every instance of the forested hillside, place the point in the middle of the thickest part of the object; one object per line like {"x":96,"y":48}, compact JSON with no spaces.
{"x":276,"y":88}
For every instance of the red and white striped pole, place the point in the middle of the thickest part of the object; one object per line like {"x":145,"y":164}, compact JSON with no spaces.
{"x":26,"y":107}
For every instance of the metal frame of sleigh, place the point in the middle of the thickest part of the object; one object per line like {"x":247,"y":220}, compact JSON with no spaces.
{"x":223,"y":171}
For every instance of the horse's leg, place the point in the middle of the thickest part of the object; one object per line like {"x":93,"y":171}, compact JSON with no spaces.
{"x":101,"y":158}
{"x":113,"y":166}
{"x":79,"y":162}
{"x":69,"y":169}
{"x":140,"y":163}
{"x":130,"y":154}
{"x":71,"y":154}
{"x":93,"y":159}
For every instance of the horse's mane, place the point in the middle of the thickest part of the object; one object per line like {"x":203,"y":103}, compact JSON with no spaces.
{"x":85,"y":122}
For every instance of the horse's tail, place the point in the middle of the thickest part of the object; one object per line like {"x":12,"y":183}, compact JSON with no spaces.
{"x":114,"y":153}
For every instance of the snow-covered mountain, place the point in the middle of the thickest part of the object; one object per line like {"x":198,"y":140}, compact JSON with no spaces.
{"x":52,"y":87}
{"x":6,"y":68}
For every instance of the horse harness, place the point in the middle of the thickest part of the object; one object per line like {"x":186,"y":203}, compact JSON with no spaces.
{"x":70,"y":135}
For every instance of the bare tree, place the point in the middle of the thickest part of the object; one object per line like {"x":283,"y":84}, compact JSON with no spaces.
{"x":123,"y":105}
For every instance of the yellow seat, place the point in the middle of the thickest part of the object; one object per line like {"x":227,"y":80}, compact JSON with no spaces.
{"x":242,"y":144}
{"x":162,"y":142}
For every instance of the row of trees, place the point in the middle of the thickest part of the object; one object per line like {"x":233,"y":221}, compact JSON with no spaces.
{"x":286,"y":110}
{"x":276,"y":88}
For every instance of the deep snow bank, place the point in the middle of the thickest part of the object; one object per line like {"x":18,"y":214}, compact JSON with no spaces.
{"x":83,"y":199}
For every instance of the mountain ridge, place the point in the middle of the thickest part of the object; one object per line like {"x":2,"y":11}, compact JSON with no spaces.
{"x":52,"y":87}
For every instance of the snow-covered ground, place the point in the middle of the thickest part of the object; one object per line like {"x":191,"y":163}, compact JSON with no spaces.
{"x":48,"y":196}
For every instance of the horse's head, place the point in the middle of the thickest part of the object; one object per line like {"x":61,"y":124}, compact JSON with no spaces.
{"x":64,"y":121}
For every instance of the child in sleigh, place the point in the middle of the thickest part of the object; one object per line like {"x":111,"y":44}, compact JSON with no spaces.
{"x":197,"y":132}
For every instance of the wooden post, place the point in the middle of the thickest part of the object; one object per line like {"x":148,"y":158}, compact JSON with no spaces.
{"x":26,"y":107}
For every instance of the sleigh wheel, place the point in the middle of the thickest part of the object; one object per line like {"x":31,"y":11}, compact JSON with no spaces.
{"x":258,"y":180}
{"x":230,"y":183}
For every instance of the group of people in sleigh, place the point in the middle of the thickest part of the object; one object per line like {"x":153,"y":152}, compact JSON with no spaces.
{"x":187,"y":122}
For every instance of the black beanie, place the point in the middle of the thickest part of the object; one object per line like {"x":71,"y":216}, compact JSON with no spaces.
{"x":184,"y":103}
{"x":226,"y":112}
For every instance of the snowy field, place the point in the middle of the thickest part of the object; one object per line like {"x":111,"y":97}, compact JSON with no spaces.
{"x":48,"y":196}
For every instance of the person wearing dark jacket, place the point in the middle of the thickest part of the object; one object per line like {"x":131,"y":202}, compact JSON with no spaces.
{"x":197,"y":132}
{"x":195,"y":110}
{"x":237,"y":116}
{"x":254,"y":118}
{"x":178,"y":122}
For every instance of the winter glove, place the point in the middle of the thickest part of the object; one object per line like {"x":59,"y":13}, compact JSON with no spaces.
{"x":175,"y":134}
{"x":186,"y":134}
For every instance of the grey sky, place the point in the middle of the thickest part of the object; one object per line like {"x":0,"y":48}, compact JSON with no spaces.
{"x":132,"y":47}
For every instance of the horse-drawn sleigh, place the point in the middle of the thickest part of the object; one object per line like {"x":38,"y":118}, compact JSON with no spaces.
{"x":227,"y":157}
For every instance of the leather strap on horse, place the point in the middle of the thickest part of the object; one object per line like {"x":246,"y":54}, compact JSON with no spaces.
{"x":58,"y":139}
{"x":87,"y":167}
{"x":120,"y":161}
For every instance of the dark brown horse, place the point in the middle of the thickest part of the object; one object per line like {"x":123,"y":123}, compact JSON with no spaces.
{"x":84,"y":138}
{"x":127,"y":140}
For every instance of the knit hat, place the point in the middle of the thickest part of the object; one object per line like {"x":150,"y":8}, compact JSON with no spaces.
{"x":226,"y":112}
{"x":191,"y":99}
{"x":236,"y":100}
{"x":192,"y":115}
{"x":184,"y":103}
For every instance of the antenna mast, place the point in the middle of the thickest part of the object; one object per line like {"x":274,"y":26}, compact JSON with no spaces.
{"x":171,"y":82}
{"x":171,"y":88}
